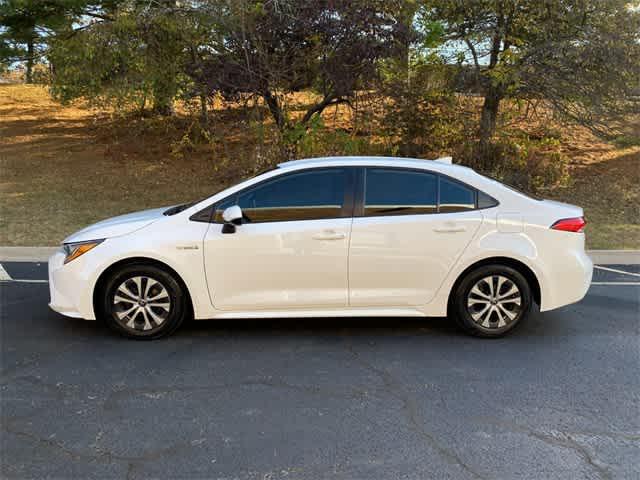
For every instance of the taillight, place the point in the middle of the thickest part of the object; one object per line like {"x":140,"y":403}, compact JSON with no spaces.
{"x":570,"y":224}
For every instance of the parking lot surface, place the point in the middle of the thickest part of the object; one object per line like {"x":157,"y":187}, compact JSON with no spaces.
{"x":322,"y":398}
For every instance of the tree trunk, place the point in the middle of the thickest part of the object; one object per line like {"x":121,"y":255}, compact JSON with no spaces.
{"x":143,"y":105}
{"x":29,"y":72}
{"x":492,"y":97}
{"x":163,"y":103}
{"x":488,"y":120}
{"x":204,"y":114}
{"x":275,"y":109}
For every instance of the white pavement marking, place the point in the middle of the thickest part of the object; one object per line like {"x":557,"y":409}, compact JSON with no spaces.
{"x":607,"y":269}
{"x":24,"y":280}
{"x":615,"y":283}
{"x":4,"y":276}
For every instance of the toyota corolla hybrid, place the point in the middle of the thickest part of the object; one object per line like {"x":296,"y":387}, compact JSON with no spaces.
{"x":329,"y":237}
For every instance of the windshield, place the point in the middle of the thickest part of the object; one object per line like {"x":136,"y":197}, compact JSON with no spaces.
{"x":182,"y":207}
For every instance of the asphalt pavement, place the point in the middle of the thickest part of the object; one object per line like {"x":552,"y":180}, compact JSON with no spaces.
{"x":385,"y":398}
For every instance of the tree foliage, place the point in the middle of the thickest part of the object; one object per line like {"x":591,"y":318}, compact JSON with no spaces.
{"x":128,"y":51}
{"x":581,"y":55}
{"x":26,"y":26}
{"x":273,"y":48}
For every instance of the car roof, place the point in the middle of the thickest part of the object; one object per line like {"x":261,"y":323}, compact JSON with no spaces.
{"x":440,"y":165}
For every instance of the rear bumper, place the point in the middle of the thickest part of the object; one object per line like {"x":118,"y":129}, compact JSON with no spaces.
{"x":568,"y":280}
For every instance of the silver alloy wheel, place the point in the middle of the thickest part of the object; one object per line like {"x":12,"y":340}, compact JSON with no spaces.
{"x":494,"y":301}
{"x":141,"y":303}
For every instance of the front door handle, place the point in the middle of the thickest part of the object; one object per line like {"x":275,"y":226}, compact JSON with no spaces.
{"x":329,"y":235}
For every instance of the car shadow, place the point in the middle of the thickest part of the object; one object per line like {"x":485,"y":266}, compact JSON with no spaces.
{"x":353,"y":326}
{"x":538,"y":326}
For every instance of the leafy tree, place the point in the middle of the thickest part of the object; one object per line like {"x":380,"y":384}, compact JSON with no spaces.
{"x":127,"y":50}
{"x":26,"y":26}
{"x":273,"y":48}
{"x":583,"y":56}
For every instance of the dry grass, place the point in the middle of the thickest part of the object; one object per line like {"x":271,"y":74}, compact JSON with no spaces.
{"x":65,"y":167}
{"x":62,"y":168}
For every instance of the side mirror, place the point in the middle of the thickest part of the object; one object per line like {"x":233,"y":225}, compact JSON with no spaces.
{"x":232,"y":217}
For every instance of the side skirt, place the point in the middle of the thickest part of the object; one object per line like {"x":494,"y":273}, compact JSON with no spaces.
{"x":344,"y":312}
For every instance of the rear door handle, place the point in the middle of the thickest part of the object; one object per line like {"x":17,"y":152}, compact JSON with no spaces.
{"x":452,"y":229}
{"x":330,"y":235}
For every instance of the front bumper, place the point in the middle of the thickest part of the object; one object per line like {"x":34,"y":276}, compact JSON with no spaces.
{"x":67,"y":287}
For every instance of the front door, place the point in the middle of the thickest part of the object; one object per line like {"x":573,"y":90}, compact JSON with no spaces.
{"x":291,"y":250}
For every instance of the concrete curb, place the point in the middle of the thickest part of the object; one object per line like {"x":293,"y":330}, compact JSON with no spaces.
{"x":42,"y":254}
{"x":615,"y":257}
{"x":26,"y":254}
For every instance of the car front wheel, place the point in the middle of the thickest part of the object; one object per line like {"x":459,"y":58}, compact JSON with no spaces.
{"x":143,"y":302}
{"x":491,"y":301}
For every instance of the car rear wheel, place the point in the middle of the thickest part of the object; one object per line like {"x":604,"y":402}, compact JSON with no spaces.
{"x":143,"y":302}
{"x":491,"y":301}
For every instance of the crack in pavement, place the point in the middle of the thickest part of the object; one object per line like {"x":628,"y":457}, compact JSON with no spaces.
{"x":395,"y":388}
{"x":561,"y":439}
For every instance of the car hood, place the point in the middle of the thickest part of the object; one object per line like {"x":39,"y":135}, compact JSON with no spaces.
{"x":117,"y":226}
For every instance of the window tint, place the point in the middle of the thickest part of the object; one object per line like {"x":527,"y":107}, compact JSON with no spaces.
{"x":486,"y":201}
{"x":455,"y":197}
{"x":399,"y":192}
{"x":307,"y":195}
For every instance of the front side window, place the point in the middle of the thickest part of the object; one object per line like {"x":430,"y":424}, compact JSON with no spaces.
{"x":399,"y":192}
{"x":308,"y":195}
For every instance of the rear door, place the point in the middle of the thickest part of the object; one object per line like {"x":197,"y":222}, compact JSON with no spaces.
{"x":412,"y":227}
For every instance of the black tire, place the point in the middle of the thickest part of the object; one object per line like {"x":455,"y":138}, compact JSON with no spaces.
{"x":173,"y":309}
{"x":464,"y":304}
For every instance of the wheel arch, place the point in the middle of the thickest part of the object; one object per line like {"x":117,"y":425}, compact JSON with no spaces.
{"x":521,"y":267}
{"x":136,"y":261}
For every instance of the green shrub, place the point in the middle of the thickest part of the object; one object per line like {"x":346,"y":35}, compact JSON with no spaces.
{"x":422,"y":118}
{"x":530,"y":165}
{"x":317,"y":140}
{"x":627,"y":141}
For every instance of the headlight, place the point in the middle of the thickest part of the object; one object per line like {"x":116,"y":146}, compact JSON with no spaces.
{"x":74,"y":250}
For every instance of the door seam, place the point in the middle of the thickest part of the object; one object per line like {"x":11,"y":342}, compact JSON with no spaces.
{"x":349,"y":263}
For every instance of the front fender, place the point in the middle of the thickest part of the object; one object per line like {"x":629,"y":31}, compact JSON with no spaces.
{"x":166,"y":247}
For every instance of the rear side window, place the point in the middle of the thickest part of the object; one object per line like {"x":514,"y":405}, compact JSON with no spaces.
{"x":456,"y":197}
{"x":486,"y":201}
{"x":310,"y":195}
{"x":394,"y":191}
{"x":399,"y":192}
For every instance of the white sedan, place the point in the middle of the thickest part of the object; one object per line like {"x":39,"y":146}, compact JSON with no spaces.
{"x":329,"y":237}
